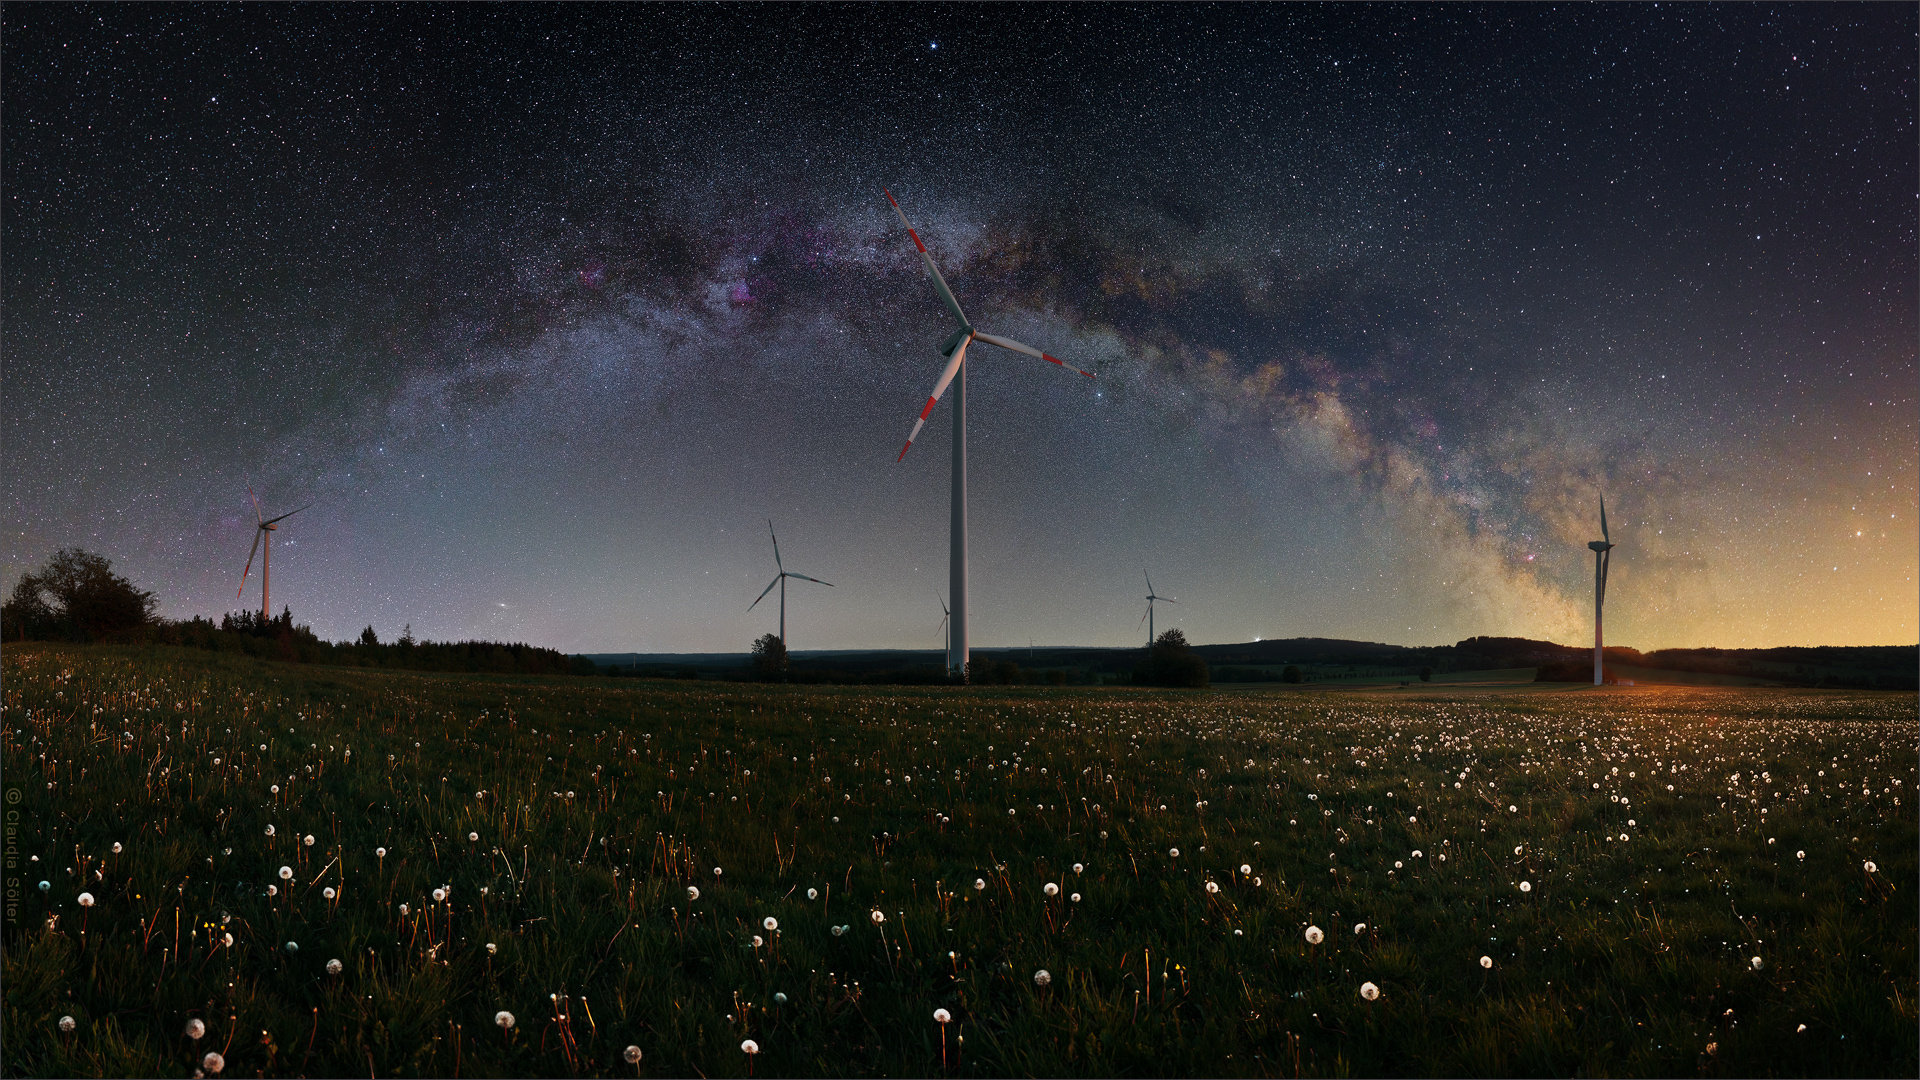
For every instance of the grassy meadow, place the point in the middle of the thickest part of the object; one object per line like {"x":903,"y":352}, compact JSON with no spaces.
{"x":353,"y":872}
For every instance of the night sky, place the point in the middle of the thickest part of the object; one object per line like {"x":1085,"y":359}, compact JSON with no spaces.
{"x":547,"y":311}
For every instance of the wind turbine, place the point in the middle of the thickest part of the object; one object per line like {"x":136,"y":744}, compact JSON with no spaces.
{"x":946,"y":622}
{"x":264,"y":528}
{"x":1602,"y":549}
{"x":955,"y":374}
{"x":780,"y":579}
{"x":1148,"y":617}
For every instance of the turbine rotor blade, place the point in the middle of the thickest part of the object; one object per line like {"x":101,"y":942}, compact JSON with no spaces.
{"x":765,"y":591}
{"x":1009,"y":343}
{"x":946,"y":379}
{"x":257,"y":533}
{"x":1603,"y":521}
{"x":286,"y":515}
{"x":815,"y":580}
{"x":776,"y":546}
{"x":1143,"y":617}
{"x":939,"y":283}
{"x":257,"y":515}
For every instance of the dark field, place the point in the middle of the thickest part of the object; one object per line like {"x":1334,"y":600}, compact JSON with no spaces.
{"x":1647,"y":881}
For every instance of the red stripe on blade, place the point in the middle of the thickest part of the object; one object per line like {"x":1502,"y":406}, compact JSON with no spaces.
{"x":924,"y":413}
{"x":904,"y":449}
{"x":916,"y":240}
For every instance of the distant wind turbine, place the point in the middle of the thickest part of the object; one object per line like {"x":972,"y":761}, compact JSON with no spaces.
{"x":1602,"y":555}
{"x":946,"y":623}
{"x":264,"y":528}
{"x":780,"y":579}
{"x":955,"y":374}
{"x":1148,"y":617}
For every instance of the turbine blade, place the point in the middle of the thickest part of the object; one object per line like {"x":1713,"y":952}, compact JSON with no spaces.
{"x":1149,"y":578}
{"x":815,"y":580}
{"x":257,"y":534}
{"x":287,"y":515}
{"x":257,"y":515}
{"x":946,"y":379}
{"x":765,"y":591}
{"x":1603,"y":521}
{"x":776,"y":546}
{"x":939,"y":283}
{"x":1009,"y":343}
{"x":1166,"y":599}
{"x":1143,"y":617}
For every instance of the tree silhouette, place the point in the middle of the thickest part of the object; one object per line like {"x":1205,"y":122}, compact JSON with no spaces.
{"x":769,"y":656}
{"x":76,"y":595}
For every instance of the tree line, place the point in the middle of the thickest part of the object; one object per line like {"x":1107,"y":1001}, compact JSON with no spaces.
{"x":77,"y":597}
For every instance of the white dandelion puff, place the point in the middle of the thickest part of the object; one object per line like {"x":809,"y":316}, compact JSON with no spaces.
{"x":770,"y":923}
{"x":328,"y":892}
{"x":196,"y":1028}
{"x":632,"y":1055}
{"x":286,"y":873}
{"x":1526,"y":886}
{"x":878,"y":916}
{"x":1369,"y":991}
{"x":503,"y":1018}
{"x":941,"y":1016}
{"x":749,"y":1047}
{"x":1213,"y":887}
{"x":1042,"y":977}
{"x":693,"y":892}
{"x":334,"y":967}
{"x":1051,"y":889}
{"x":1486,"y":962}
{"x":813,"y":894}
{"x":213,"y":1062}
{"x":979,"y":884}
{"x":86,"y":899}
{"x":1315,"y":936}
{"x":1359,"y":928}
{"x":66,"y":1023}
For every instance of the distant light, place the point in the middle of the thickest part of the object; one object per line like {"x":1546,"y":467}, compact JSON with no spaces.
{"x":935,"y":45}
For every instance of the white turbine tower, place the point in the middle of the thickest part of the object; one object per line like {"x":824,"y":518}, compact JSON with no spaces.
{"x":1602,"y":549}
{"x":780,"y":579}
{"x":1148,"y":617}
{"x":955,"y":374}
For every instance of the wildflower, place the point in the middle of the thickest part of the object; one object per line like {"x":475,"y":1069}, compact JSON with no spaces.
{"x":1051,"y":889}
{"x":1369,"y":991}
{"x":749,"y":1047}
{"x":86,"y":899}
{"x":195,"y":1028}
{"x":328,"y":892}
{"x":1042,"y":977}
{"x":979,"y":884}
{"x":632,"y":1055}
{"x":213,"y":1062}
{"x":770,"y":923}
{"x":286,"y":873}
{"x":941,"y":1016}
{"x":693,"y":892}
{"x":1486,"y":962}
{"x":878,"y":916}
{"x":813,"y":894}
{"x":1526,"y":886}
{"x":1314,"y":936}
{"x":1213,"y":887}
{"x":503,"y":1018}
{"x":333,"y":967}
{"x":66,"y":1023}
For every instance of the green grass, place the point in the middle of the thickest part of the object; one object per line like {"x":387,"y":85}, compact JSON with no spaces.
{"x":604,"y":801}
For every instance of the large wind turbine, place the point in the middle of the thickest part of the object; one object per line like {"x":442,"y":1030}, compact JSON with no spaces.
{"x":1148,"y":617}
{"x":1602,"y":549}
{"x":946,"y":623}
{"x":266,"y":528}
{"x":780,"y":579}
{"x":955,"y":374}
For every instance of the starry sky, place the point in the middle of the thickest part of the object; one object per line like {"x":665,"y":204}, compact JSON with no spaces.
{"x":548,"y":310}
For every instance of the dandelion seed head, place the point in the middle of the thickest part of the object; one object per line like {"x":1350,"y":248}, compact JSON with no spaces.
{"x":213,"y":1062}
{"x":1526,"y":886}
{"x":1486,"y":962}
{"x":632,"y":1054}
{"x":942,"y":1016}
{"x":503,"y":1018}
{"x":878,"y":916}
{"x":1758,"y":963}
{"x":1051,"y":889}
{"x":1213,"y":887}
{"x":334,"y":967}
{"x":86,"y":899}
{"x":1315,"y":936}
{"x":770,"y":923}
{"x":1369,"y":991}
{"x":66,"y":1023}
{"x":1042,"y":977}
{"x":1173,"y":853}
{"x":286,"y":873}
{"x":328,"y":892}
{"x":749,"y":1047}
{"x":979,"y":884}
{"x":693,"y":892}
{"x":813,"y":894}
{"x":196,"y":1028}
